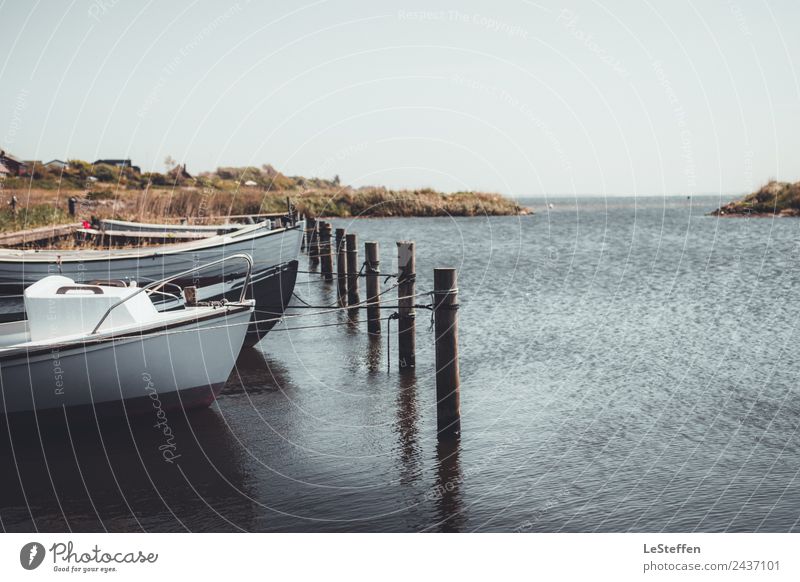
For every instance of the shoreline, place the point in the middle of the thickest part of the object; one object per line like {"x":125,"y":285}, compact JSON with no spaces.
{"x":736,"y":214}
{"x":43,"y":207}
{"x":776,"y":199}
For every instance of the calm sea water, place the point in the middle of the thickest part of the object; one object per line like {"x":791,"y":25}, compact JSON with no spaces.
{"x":627,"y":365}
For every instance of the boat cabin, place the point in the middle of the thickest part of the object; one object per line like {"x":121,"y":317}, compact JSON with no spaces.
{"x":56,"y":306}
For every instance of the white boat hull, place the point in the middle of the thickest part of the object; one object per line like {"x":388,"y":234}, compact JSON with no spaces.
{"x":184,"y":366}
{"x":20,"y":268}
{"x":275,"y":254}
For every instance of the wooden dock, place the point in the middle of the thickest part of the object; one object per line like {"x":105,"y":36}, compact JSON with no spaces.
{"x":37,"y":236}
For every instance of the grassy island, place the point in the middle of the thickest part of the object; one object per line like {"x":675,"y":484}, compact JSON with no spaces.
{"x":774,"y":198}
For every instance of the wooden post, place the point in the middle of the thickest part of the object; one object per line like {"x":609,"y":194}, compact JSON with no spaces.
{"x":304,"y":238}
{"x":341,"y":267}
{"x":372,"y":258}
{"x":325,"y":250}
{"x":448,"y":380}
{"x":406,"y":289}
{"x":352,"y":268}
{"x":313,"y":242}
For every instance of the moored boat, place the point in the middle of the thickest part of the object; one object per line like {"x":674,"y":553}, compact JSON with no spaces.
{"x":233,"y":223}
{"x":274,"y":252}
{"x":94,"y":347}
{"x":146,"y":227}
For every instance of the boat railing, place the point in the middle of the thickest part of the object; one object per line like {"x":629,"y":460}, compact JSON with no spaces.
{"x":154,"y":286}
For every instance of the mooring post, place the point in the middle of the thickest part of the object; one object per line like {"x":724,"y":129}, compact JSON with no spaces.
{"x":313,"y":242}
{"x":325,"y":250}
{"x":304,"y":238}
{"x":353,"y":270}
{"x":341,"y":267}
{"x":372,"y":267}
{"x":311,"y":225}
{"x":406,"y":290}
{"x":448,"y":380}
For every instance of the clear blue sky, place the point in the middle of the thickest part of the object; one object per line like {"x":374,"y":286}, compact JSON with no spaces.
{"x":526,"y":98}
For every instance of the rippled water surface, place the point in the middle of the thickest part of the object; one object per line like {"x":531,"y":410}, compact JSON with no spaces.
{"x":627,"y":364}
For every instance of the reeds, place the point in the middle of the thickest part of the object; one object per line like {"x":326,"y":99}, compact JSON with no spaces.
{"x":39,"y":207}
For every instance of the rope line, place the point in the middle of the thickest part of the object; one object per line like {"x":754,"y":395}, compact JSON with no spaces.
{"x":146,"y":335}
{"x":349,"y":322}
{"x":359,"y":274}
{"x":333,"y":308}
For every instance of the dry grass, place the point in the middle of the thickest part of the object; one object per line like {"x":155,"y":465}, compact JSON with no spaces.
{"x":164,"y":205}
{"x":773,"y":198}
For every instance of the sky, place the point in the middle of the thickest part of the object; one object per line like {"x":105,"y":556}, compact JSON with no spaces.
{"x":524,"y":98}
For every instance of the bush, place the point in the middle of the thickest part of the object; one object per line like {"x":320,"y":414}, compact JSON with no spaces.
{"x":106,"y":173}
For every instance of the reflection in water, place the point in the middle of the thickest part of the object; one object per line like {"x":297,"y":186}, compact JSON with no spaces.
{"x":353,"y":326}
{"x":80,"y":475}
{"x":374,"y":353}
{"x":449,"y":502}
{"x":255,"y":372}
{"x":407,"y":427}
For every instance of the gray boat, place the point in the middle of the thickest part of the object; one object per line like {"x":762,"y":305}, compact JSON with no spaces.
{"x":145,"y":227}
{"x":275,"y":255}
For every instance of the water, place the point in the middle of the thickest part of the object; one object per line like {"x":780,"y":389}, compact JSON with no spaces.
{"x":627,"y":365}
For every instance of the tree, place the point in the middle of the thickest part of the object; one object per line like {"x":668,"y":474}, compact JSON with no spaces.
{"x":106,"y":173}
{"x":80,"y":169}
{"x":169,"y":163}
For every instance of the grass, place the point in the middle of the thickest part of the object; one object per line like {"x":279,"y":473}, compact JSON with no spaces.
{"x":109,"y":192}
{"x":33,"y":217}
{"x":164,"y":205}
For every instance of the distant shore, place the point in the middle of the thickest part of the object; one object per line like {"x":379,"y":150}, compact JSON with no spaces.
{"x":118,"y":189}
{"x":772,"y":199}
{"x":40,"y":207}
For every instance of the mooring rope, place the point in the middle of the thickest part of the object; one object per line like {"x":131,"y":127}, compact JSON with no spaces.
{"x":334,"y":309}
{"x":359,"y":274}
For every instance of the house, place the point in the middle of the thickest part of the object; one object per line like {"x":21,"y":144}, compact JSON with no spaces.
{"x":180,"y":173}
{"x":57,"y":165}
{"x":3,"y":171}
{"x":15,"y":166}
{"x":120,"y":164}
{"x":250,"y":183}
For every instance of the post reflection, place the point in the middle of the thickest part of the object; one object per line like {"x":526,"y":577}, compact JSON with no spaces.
{"x":408,"y":427}
{"x":447,"y":492}
{"x":373,"y":359}
{"x":353,"y":315}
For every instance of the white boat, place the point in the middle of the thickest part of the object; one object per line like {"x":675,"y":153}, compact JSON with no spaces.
{"x":235,"y":222}
{"x":96,"y":347}
{"x":275,"y":255}
{"x":145,"y":227}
